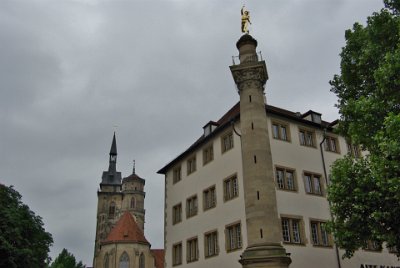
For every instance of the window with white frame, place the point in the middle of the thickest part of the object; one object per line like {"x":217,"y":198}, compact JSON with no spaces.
{"x":227,"y":142}
{"x":319,"y":235}
{"x":285,"y":179}
{"x":233,"y":237}
{"x":209,"y":198}
{"x":177,"y":213}
{"x":191,"y":206}
{"x":231,"y":189}
{"x":292,"y":230}
{"x":211,"y":244}
{"x":280,"y":131}
{"x":313,"y":183}
{"x":307,"y":137}
{"x":192,"y":250}
{"x":177,"y":254}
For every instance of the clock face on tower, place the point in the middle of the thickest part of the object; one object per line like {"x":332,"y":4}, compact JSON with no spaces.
{"x":113,"y":158}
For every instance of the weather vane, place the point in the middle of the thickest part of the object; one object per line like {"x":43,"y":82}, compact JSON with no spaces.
{"x":245,"y":20}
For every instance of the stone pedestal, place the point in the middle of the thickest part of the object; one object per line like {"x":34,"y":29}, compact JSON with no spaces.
{"x":265,"y":255}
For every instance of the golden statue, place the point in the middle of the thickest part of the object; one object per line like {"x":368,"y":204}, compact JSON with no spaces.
{"x":245,"y":20}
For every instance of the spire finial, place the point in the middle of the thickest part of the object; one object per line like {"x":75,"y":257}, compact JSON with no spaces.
{"x":134,"y":164}
{"x":113,"y":150}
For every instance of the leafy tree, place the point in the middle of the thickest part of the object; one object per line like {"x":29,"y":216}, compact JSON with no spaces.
{"x":23,"y":240}
{"x":66,"y":260}
{"x":365,"y":192}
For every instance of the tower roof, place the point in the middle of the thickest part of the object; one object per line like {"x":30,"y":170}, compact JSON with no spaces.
{"x":113,"y":150}
{"x":246,"y":39}
{"x":126,"y":230}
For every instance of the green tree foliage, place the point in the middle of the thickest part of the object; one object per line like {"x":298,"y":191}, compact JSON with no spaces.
{"x":365,"y":193}
{"x":23,"y":240}
{"x":66,"y":260}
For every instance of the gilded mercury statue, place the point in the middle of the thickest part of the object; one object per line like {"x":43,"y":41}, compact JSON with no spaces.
{"x":245,"y":20}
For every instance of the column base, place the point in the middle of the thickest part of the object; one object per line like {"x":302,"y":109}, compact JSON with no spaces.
{"x":265,"y":255}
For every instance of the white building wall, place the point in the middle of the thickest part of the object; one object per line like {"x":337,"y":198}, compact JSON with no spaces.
{"x":223,"y":166}
{"x":285,"y":154}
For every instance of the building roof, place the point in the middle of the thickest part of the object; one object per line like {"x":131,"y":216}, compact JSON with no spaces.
{"x":113,"y":150}
{"x":158,"y":255}
{"x":126,"y":230}
{"x":232,"y":115}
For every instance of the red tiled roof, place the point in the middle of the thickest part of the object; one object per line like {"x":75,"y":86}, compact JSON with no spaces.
{"x":126,"y":230}
{"x":158,"y":257}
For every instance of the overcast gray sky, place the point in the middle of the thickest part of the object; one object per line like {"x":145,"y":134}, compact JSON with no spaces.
{"x":72,"y":70}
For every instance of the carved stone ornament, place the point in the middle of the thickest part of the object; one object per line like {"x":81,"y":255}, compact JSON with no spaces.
{"x":250,"y":77}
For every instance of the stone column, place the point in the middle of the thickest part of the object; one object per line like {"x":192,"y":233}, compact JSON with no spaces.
{"x":263,"y":224}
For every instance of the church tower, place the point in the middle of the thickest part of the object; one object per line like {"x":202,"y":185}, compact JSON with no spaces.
{"x":115,"y":197}
{"x":263,"y":226}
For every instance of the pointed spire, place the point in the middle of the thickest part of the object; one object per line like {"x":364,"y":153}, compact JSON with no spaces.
{"x":113,"y":150}
{"x":134,"y":165}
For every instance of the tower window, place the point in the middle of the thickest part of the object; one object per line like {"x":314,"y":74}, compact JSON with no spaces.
{"x":111,"y":211}
{"x":141,"y":261}
{"x":124,"y":261}
{"x":133,"y":202}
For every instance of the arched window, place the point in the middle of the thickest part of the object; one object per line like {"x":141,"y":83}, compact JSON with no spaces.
{"x":141,"y":261}
{"x":124,"y":261}
{"x":106,"y":261}
{"x":133,"y":202}
{"x":111,"y":210}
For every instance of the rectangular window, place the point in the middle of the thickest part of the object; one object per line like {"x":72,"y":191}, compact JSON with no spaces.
{"x":211,"y":244}
{"x":191,"y":206}
{"x":307,"y":138}
{"x":209,"y":198}
{"x":177,"y":175}
{"x":280,"y":131}
{"x":292,"y":231}
{"x":233,"y":237}
{"x":208,"y":154}
{"x":331,"y":144}
{"x":227,"y":142}
{"x":313,"y":184}
{"x":192,"y":250}
{"x":231,"y":189}
{"x":353,"y":150}
{"x":285,"y":179}
{"x":177,"y":213}
{"x":319,"y":236}
{"x":191,"y":165}
{"x":177,"y":254}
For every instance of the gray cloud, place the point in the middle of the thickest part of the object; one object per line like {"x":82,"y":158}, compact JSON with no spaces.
{"x":71,"y":70}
